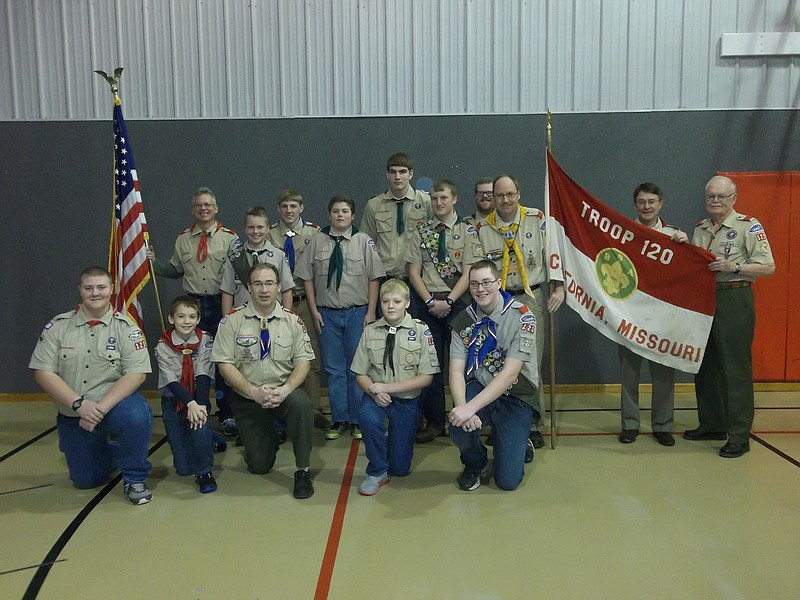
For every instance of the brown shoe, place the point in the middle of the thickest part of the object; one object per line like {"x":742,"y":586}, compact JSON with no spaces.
{"x":426,"y":434}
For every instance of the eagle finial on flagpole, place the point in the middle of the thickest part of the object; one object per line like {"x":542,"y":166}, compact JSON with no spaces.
{"x":112,"y":81}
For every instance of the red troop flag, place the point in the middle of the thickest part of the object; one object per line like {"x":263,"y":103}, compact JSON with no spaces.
{"x":127,"y":261}
{"x":633,"y":284}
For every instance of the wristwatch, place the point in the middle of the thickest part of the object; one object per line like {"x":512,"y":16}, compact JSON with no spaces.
{"x":738,"y":267}
{"x":430,"y":301}
{"x":77,"y":404}
{"x":449,"y":301}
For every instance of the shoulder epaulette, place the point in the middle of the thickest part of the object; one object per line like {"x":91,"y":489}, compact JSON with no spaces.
{"x":310,"y":224}
{"x":534,"y":212}
{"x":522,"y":308}
{"x":227,"y":230}
{"x":744,"y":218}
{"x":125,"y":318}
{"x":291,"y":312}
{"x":65,"y":315}
{"x":187,"y":230}
{"x":700,"y":222}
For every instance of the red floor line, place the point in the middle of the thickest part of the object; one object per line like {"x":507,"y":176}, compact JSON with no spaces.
{"x":335,"y":534}
{"x":601,"y":433}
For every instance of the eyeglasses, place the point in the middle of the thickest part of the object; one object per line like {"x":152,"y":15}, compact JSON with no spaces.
{"x":484,"y":194}
{"x":647,"y":202}
{"x":260,"y":284}
{"x":720,"y":197}
{"x":507,"y":195}
{"x":203,"y":204}
{"x":474,"y":285}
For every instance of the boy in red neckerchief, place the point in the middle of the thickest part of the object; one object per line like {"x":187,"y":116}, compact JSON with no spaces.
{"x":184,"y":378}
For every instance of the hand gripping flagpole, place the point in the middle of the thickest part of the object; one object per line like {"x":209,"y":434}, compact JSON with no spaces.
{"x":113,"y":82}
{"x":550,"y":289}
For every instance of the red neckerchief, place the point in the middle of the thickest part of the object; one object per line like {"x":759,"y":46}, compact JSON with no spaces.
{"x":187,"y":369}
{"x":202,"y":247}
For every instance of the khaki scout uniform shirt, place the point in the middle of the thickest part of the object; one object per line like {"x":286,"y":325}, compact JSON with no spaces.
{"x":201,"y":278}
{"x":516,"y":338}
{"x":380,"y":223}
{"x":269,"y":254}
{"x":170,"y":363}
{"x":414,"y":353}
{"x":238,"y":342}
{"x":462,"y":244}
{"x":303,"y":232}
{"x":90,"y":359}
{"x":531,"y":241}
{"x":740,"y":239}
{"x":361,"y":265}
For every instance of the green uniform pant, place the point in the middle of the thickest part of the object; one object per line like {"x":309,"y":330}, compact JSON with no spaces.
{"x":258,"y":433}
{"x":724,"y":384}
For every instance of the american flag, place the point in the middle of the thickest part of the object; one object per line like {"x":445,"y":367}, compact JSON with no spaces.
{"x":127,"y":261}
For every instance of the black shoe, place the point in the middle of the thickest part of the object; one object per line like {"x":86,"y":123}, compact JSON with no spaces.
{"x":537,"y":439}
{"x":302,"y":485}
{"x":664,"y":438}
{"x":529,"y":452}
{"x":281,"y":435}
{"x":218,"y":444}
{"x":489,"y":441}
{"x":628,"y":436}
{"x":695,"y":435}
{"x":206,"y":483}
{"x":238,"y":443}
{"x":731,"y":450}
{"x":470,"y":481}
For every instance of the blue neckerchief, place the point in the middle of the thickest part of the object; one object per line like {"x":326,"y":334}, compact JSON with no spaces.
{"x":476,"y":355}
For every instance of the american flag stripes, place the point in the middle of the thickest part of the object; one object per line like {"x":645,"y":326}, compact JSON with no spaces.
{"x":127,"y":261}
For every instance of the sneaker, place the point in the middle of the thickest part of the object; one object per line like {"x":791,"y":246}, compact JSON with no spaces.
{"x":281,"y":435}
{"x":336,"y":430}
{"x":137,"y":492}
{"x":206,"y":483}
{"x":229,"y":427}
{"x":530,"y":452}
{"x":537,"y":439}
{"x":371,"y":484}
{"x":303,"y":488}
{"x":356,"y":432}
{"x":470,"y":481}
{"x":218,"y":443}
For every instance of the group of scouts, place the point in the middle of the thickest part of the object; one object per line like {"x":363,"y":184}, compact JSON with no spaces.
{"x":385,"y":307}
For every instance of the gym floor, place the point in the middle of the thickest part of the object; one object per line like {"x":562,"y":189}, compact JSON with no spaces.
{"x":593,"y":518}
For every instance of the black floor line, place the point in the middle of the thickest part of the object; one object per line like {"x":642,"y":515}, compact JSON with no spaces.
{"x":29,"y":567}
{"x":28,"y":443}
{"x":780,"y":453}
{"x":35,"y":586}
{"x":33,"y":487}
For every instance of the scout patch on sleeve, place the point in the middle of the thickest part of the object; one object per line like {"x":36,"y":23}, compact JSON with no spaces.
{"x":371,"y":244}
{"x":135,"y":335}
{"x":209,"y":343}
{"x":137,"y":346}
{"x":755,"y":228}
{"x":48,"y":325}
{"x":761,"y":236}
{"x":528,"y":317}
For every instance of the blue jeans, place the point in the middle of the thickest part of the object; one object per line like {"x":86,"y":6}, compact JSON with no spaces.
{"x":338,"y":341}
{"x":392,"y":452}
{"x":192,"y":453}
{"x":511,"y":420}
{"x":120,"y":441}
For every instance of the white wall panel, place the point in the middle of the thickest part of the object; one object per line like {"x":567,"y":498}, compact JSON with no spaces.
{"x":288,"y":58}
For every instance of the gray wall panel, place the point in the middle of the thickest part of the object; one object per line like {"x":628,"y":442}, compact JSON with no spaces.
{"x":251,"y":160}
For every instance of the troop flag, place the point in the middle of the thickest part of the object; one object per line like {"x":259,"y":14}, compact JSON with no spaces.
{"x":127,"y":260}
{"x":633,"y":284}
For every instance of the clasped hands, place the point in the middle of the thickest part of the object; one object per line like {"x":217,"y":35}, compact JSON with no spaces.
{"x":462,"y":416}
{"x":269,"y":396}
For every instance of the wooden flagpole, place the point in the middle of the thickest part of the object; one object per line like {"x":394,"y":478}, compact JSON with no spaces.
{"x":551,"y":316}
